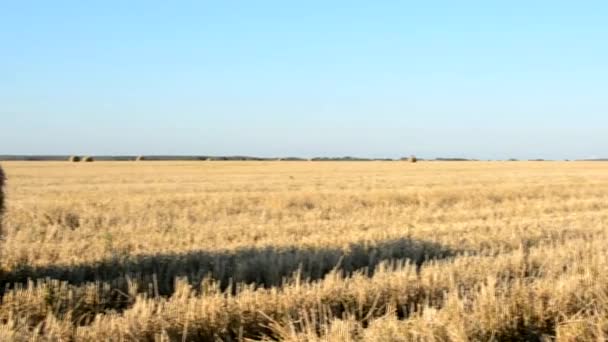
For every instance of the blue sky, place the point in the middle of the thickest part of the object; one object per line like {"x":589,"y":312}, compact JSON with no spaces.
{"x":479,"y":79}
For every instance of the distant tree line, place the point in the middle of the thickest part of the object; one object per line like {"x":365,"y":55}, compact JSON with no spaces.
{"x":82,"y":158}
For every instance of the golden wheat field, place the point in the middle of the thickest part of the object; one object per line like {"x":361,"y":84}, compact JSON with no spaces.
{"x":305,"y":251}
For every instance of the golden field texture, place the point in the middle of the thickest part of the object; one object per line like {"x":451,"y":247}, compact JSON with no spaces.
{"x":305,"y":251}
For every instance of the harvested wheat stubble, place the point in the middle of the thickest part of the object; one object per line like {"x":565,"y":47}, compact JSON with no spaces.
{"x":2,"y":181}
{"x":182,"y":250}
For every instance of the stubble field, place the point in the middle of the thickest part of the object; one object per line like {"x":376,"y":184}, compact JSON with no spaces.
{"x":305,"y":251}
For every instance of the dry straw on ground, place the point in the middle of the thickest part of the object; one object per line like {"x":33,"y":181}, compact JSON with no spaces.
{"x":318,"y":251}
{"x":2,"y":184}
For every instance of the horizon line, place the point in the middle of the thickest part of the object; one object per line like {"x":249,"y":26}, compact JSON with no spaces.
{"x":236,"y":157}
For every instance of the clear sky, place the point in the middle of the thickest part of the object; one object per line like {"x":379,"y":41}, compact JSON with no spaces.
{"x":483,"y":79}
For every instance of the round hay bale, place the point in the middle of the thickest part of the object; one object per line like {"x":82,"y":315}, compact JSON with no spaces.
{"x":87,"y":159}
{"x":74,"y":159}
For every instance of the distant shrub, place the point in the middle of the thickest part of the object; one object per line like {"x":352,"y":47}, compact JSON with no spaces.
{"x":87,"y":159}
{"x":411,"y":159}
{"x":75,"y":158}
{"x":139,"y":158}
